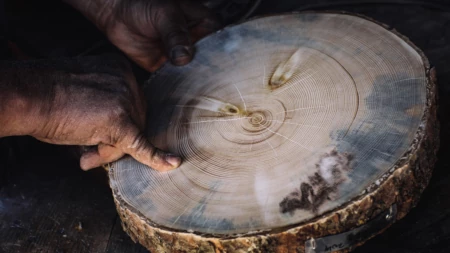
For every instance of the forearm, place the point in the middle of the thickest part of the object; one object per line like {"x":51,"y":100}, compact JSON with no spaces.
{"x":23,"y":90}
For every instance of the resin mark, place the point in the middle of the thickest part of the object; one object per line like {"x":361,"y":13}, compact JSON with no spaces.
{"x":286,"y":70}
{"x":214,"y":105}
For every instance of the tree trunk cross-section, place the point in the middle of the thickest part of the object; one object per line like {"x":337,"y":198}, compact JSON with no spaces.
{"x":291,"y":127}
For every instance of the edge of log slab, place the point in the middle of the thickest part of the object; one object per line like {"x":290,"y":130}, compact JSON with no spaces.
{"x":402,"y":186}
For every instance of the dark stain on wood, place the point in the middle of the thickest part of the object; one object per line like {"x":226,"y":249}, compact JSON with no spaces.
{"x":332,"y":170}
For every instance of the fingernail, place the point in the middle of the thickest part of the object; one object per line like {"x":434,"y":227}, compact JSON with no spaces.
{"x":180,"y":55}
{"x":173,"y":160}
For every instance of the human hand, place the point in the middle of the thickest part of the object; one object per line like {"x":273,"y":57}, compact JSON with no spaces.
{"x":151,"y":31}
{"x":88,"y":101}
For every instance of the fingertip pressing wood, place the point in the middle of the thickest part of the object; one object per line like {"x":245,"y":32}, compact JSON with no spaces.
{"x":291,"y":127}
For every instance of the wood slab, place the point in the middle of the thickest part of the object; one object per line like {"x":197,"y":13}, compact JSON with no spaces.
{"x":291,"y":127}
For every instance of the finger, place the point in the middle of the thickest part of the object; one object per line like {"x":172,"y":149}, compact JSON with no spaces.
{"x":135,"y":144}
{"x":149,"y":61}
{"x":130,"y":44}
{"x":201,"y":20}
{"x":174,"y":34}
{"x":105,"y":154}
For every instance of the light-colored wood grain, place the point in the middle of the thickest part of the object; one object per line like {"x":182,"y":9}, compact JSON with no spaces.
{"x":282,"y":120}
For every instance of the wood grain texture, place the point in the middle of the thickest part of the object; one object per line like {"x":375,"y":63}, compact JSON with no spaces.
{"x":367,"y":91}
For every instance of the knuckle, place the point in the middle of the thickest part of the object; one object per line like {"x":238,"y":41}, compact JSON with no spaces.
{"x":141,"y":145}
{"x":156,"y":159}
{"x":117,"y":125}
{"x":117,"y":110}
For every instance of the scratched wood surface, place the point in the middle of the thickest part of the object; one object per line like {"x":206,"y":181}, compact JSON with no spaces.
{"x":48,"y":186}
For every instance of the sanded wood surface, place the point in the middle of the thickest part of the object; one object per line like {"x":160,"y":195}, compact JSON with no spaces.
{"x":280,"y":120}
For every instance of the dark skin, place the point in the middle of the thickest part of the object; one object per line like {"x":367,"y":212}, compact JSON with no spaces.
{"x":150,"y":32}
{"x":95,"y":101}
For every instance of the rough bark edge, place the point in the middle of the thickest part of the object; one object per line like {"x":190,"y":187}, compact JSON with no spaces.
{"x":402,"y":185}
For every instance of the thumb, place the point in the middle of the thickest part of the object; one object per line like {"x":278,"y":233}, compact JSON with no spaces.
{"x":135,"y":144}
{"x":173,"y":29}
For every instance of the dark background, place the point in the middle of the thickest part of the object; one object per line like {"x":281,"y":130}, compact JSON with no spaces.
{"x":47,"y":204}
